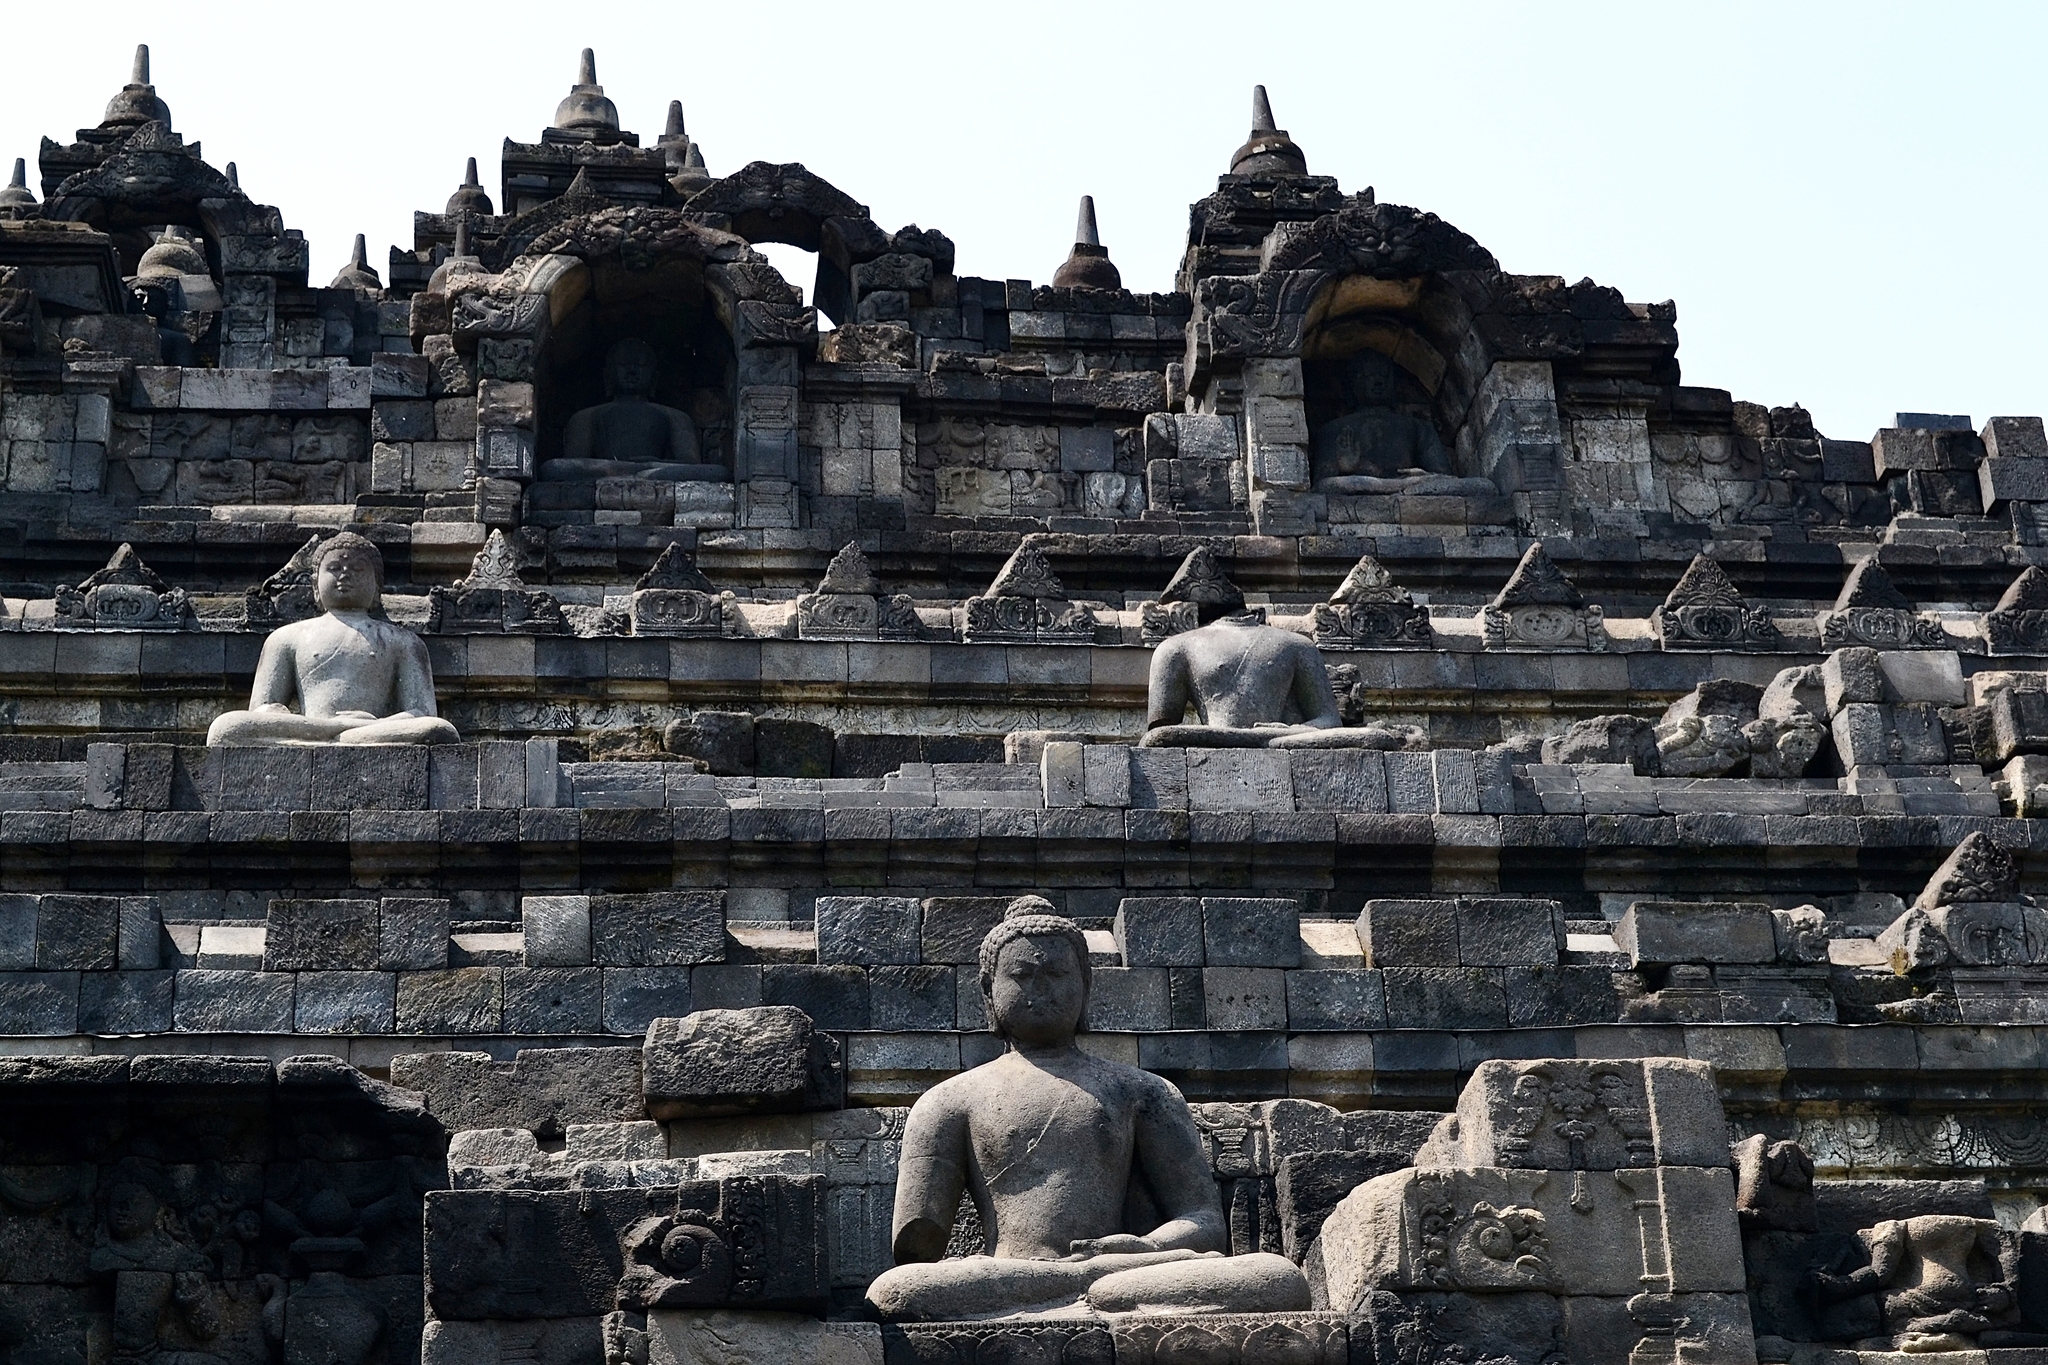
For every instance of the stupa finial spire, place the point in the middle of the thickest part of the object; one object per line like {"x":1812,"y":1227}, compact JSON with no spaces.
{"x":1268,"y":152}
{"x":1088,"y":266}
{"x":1262,"y":111}
{"x":17,"y":193}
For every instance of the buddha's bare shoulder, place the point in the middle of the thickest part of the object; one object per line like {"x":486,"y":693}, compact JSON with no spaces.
{"x":294,"y":632}
{"x":386,"y":632}
{"x":1173,"y":646}
{"x":1138,"y":1086}
{"x":958,"y":1094}
{"x":1290,"y":639}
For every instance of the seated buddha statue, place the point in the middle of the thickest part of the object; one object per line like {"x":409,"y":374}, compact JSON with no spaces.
{"x":1376,"y":448}
{"x":357,"y":678}
{"x":1254,"y":685}
{"x":630,"y":436}
{"x":1089,"y":1176}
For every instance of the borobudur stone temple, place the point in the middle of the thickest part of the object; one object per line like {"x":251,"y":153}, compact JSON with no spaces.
{"x":556,"y":810}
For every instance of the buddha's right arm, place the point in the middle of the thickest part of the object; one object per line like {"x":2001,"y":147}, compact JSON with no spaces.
{"x":931,"y":1175}
{"x":928,"y":1190}
{"x":682,"y":437}
{"x":576,"y":436}
{"x":1167,"y":687}
{"x":276,"y":673}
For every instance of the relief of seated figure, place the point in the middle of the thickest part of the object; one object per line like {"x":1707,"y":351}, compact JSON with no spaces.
{"x":1376,"y":448}
{"x":1063,"y":1154}
{"x":1938,"y":1279}
{"x":1254,"y":685}
{"x":630,"y":436}
{"x":358,"y":679}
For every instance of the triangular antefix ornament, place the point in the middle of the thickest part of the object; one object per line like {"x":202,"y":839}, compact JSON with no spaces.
{"x":1539,"y":608}
{"x":1706,"y":611}
{"x":849,"y":575}
{"x":1978,"y":870}
{"x":1369,"y":610}
{"x":1537,"y":581}
{"x":1368,"y":581}
{"x":675,"y":570}
{"x":1703,"y":584}
{"x":1869,"y":585}
{"x":1200,"y":579}
{"x":2019,"y":623}
{"x":126,"y":570}
{"x":495,"y":566}
{"x":1872,"y":611}
{"x":1027,"y":574}
{"x":286,"y":595}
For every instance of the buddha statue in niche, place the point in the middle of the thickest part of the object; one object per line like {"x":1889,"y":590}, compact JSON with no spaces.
{"x":1094,"y":1193}
{"x":358,"y":679}
{"x":630,"y":436}
{"x":1374,"y":447}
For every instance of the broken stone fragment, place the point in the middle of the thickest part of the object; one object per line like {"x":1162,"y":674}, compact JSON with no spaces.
{"x":763,"y":1060}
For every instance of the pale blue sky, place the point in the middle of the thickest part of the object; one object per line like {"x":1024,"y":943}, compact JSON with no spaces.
{"x":1846,"y":200}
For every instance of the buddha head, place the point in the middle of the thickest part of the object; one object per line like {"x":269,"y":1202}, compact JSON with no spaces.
{"x":131,"y":1210}
{"x":1035,"y":975}
{"x":1371,"y":381}
{"x":629,"y":370}
{"x":348,"y":574}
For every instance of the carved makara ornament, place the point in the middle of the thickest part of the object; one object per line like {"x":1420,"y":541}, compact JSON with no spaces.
{"x":1065,"y":623}
{"x":899,"y":619}
{"x":126,"y":595}
{"x":1369,"y":609}
{"x":1705,"y":611}
{"x":1539,"y":608}
{"x":1481,"y":1246}
{"x":1872,"y":611}
{"x":1158,"y":620}
{"x":681,"y":1260}
{"x":1253,"y":315}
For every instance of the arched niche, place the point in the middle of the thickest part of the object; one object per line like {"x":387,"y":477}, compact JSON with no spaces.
{"x":1397,"y":345}
{"x":154,"y":182}
{"x":666,"y":303}
{"x":578,"y":274}
{"x":765,"y":202}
